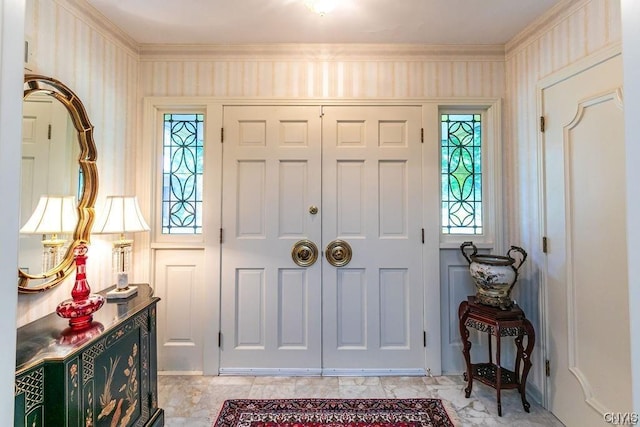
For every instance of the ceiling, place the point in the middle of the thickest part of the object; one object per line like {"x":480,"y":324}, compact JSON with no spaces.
{"x":352,"y":21}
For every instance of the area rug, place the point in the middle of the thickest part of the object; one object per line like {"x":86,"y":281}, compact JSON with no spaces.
{"x":334,"y":413}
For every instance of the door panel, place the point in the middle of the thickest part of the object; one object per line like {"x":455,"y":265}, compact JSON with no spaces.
{"x":586,"y":274}
{"x":178,"y":280}
{"x":372,"y":307}
{"x":270,"y":306}
{"x":456,"y":285}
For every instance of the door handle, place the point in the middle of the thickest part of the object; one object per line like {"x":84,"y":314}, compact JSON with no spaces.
{"x":339,"y":253}
{"x":304,"y":253}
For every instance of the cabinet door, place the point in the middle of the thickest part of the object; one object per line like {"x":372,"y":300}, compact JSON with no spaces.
{"x":103,"y":375}
{"x":115,"y":376}
{"x":29,"y":398}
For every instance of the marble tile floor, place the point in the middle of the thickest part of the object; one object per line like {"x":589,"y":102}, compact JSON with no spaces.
{"x":194,"y":401}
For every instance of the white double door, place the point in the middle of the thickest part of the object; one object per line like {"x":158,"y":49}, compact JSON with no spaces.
{"x":361,"y":168}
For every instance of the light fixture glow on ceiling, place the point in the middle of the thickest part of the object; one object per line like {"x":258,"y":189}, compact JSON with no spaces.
{"x":321,"y":7}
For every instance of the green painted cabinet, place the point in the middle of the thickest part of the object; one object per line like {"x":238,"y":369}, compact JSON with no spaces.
{"x":105,"y":375}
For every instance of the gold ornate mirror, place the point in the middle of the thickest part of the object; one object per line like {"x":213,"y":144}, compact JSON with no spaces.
{"x":59,"y":182}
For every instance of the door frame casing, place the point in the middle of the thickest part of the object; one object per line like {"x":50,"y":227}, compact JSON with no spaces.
{"x":149,"y":161}
{"x":543,"y":84}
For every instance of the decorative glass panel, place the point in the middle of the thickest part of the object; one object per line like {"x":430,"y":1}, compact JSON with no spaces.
{"x":461,"y":168}
{"x":182,"y":173}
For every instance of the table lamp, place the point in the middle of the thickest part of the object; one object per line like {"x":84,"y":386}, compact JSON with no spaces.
{"x":53,"y":215}
{"x":121,"y":215}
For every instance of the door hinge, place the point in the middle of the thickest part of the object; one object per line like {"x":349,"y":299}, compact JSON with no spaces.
{"x":221,"y":135}
{"x":547,"y":368}
{"x":544,"y":244}
{"x":423,"y":236}
{"x":219,"y":339}
{"x":424,"y":338}
{"x":422,"y":135}
{"x":49,"y":132}
{"x":221,"y":236}
{"x":542,"y":124}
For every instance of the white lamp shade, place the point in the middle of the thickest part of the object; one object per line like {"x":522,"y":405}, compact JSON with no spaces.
{"x":53,"y":215}
{"x":121,"y":214}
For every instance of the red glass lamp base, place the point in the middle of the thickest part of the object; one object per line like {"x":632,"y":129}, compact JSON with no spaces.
{"x":80,"y":312}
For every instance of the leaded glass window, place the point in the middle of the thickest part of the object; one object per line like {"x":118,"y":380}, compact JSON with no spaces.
{"x":461,"y":168}
{"x":183,"y":156}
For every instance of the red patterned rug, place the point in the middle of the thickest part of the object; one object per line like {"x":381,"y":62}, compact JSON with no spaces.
{"x":334,"y":413}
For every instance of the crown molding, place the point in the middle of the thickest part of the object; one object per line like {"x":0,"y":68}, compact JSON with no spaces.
{"x":544,"y":23}
{"x":90,"y":15}
{"x":320,"y":52}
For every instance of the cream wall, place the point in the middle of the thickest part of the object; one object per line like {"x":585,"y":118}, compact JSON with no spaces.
{"x":568,"y":33}
{"x":72,"y":44}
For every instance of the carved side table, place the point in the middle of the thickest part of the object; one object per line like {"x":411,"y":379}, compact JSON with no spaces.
{"x":498,"y":323}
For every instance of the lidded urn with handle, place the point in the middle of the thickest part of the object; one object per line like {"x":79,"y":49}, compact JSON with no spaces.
{"x":494,"y":275}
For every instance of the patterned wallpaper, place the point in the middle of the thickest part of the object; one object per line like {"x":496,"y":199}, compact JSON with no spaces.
{"x":411,"y":74}
{"x":67,"y":44}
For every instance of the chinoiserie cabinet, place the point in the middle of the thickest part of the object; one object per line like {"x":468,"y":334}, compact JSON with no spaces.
{"x":105,"y":375}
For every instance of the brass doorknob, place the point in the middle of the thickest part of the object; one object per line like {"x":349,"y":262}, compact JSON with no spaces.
{"x":313,"y":210}
{"x":338,"y":253}
{"x":304,"y":253}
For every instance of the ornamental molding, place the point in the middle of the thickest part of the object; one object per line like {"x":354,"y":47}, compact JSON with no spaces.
{"x":544,"y":23}
{"x":97,"y":21}
{"x":321,"y":52}
{"x":510,"y":331}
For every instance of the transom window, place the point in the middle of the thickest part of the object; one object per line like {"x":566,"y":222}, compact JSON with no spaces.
{"x":182,"y":169}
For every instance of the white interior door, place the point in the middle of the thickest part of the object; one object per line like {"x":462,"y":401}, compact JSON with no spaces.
{"x":372,"y":199}
{"x":36,"y":142}
{"x":586,"y":273}
{"x":49,"y":166}
{"x":271,"y":307}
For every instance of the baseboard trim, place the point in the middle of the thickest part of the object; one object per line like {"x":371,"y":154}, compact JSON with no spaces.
{"x":272,"y":372}
{"x":315,"y":372}
{"x":169,"y":373}
{"x":373,"y":372}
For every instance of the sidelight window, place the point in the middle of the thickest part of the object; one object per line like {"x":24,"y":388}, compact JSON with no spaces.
{"x":182,"y":173}
{"x":461,"y":174}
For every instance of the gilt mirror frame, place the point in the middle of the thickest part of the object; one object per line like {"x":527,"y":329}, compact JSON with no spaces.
{"x":34,"y":83}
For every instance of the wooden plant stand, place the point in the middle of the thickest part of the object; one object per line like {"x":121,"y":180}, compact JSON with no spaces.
{"x":498,"y":323}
